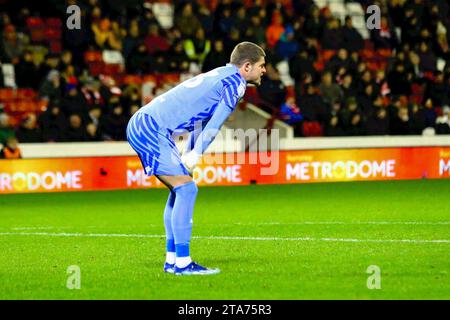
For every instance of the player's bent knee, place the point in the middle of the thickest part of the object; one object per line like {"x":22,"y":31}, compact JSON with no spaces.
{"x":189,"y":189}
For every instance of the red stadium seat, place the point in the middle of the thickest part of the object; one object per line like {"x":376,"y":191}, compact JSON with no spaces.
{"x":26,"y":94}
{"x":56,"y":46}
{"x":52,"y":33}
{"x":319,"y":66}
{"x":53,"y":23}
{"x":7,"y":94}
{"x":169,"y":78}
{"x":96,"y":68}
{"x":384,"y":53}
{"x":312,"y":129}
{"x":327,"y":55}
{"x":113,"y":69}
{"x":290,"y":92}
{"x":93,"y":56}
{"x":33,"y":22}
{"x":132,"y":79}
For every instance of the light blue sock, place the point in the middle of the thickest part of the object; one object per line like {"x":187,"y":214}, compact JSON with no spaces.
{"x":170,"y":242}
{"x":182,"y":212}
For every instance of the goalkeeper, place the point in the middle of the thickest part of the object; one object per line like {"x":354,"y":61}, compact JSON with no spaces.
{"x":204,"y":101}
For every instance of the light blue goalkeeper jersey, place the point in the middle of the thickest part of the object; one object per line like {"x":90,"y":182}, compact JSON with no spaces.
{"x":204,"y":101}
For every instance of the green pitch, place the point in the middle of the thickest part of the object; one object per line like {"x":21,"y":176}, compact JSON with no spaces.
{"x":309,"y":241}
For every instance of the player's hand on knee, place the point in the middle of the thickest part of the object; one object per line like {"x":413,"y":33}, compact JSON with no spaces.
{"x":189,"y":160}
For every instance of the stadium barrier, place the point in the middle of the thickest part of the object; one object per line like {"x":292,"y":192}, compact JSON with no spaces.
{"x":113,"y":165}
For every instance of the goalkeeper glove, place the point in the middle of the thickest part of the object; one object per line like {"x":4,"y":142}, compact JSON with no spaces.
{"x":189,"y":160}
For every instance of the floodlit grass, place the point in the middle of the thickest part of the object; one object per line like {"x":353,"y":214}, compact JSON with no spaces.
{"x":303,"y":241}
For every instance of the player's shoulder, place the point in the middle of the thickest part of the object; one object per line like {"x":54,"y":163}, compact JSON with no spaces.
{"x":230,"y":78}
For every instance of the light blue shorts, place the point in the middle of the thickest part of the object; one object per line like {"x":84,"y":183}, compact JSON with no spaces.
{"x":154,"y":146}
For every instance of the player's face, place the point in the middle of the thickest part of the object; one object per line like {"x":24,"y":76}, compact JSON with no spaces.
{"x":257,"y":70}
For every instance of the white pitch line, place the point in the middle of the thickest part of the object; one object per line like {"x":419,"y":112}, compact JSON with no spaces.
{"x":349,"y":223}
{"x":123,"y":235}
{"x":265,"y":224}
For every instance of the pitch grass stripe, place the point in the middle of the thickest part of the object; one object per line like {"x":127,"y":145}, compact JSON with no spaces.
{"x":123,"y":235}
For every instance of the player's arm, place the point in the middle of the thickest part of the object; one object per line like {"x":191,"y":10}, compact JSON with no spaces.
{"x":209,"y":132}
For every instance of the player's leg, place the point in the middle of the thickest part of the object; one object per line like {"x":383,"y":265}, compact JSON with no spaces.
{"x":170,"y":182}
{"x":185,"y":191}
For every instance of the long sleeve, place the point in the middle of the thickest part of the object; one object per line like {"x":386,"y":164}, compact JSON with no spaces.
{"x":222,"y":112}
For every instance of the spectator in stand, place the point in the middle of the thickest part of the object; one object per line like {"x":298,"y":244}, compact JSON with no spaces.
{"x":255,"y":31}
{"x":53,"y":124}
{"x":378,"y":123}
{"x":334,"y":128}
{"x":91,"y":93}
{"x":12,"y":45}
{"x":330,"y":91}
{"x":51,"y":87}
{"x":366,"y":100}
{"x":331,"y":35}
{"x":76,"y":132}
{"x":398,"y":81}
{"x":437,"y":90}
{"x":178,"y":61}
{"x":351,"y":38}
{"x":300,"y":65}
{"x":401,"y":124}
{"x":206,"y":20}
{"x":428,"y":59}
{"x":6,"y":130}
{"x":51,"y":62}
{"x":216,"y":57}
{"x":347,"y":114}
{"x":314,"y":24}
{"x":114,"y":124}
{"x":73,"y":102}
{"x":159,"y":63}
{"x":287,"y":46}
{"x":430,"y":114}
{"x":418,"y":119}
{"x":443,"y":122}
{"x":347,"y":86}
{"x":385,"y":37}
{"x":92,"y":133}
{"x":131,"y":40}
{"x":28,"y":131}
{"x":198,"y":47}
{"x":338,"y":61}
{"x":11,"y":149}
{"x":272,"y":91}
{"x":106,"y":35}
{"x":148,"y":18}
{"x":66,"y":61}
{"x":25,"y":71}
{"x":311,"y":104}
{"x":225,"y":22}
{"x":187,"y":22}
{"x":232,"y":40}
{"x":154,"y":41}
{"x":410,"y":27}
{"x":240,"y":20}
{"x":275,"y":30}
{"x":290,"y":113}
{"x":139,"y":62}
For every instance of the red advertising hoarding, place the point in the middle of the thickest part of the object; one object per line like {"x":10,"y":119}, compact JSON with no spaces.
{"x":305,"y":166}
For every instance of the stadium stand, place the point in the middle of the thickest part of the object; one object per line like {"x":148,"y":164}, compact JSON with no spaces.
{"x":394,"y":80}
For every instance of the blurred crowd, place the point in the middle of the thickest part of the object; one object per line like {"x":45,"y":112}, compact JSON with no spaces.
{"x":341,"y":95}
